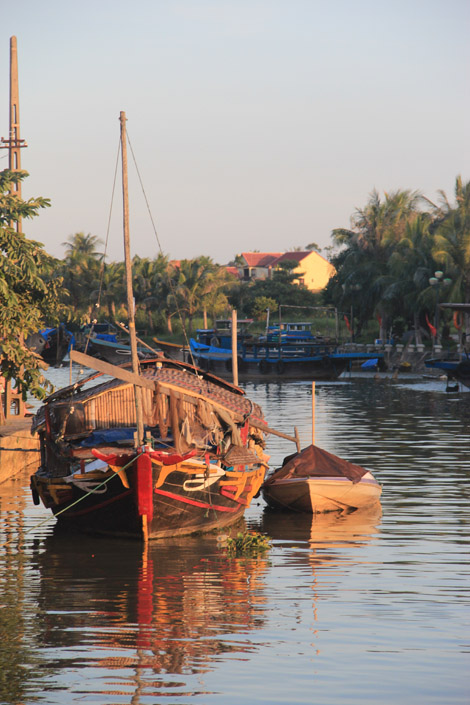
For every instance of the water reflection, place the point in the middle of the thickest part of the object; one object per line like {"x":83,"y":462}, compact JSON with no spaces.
{"x":171,"y":609}
{"x":97,"y":621}
{"x":18,"y":660}
{"x":334,"y":530}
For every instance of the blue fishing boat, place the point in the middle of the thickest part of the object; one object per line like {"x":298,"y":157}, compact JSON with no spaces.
{"x":287,"y":351}
{"x":455,"y":365}
{"x":52,"y":344}
{"x":456,"y":369}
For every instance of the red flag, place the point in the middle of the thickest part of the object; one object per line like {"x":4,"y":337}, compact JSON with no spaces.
{"x":348,"y":325}
{"x":379,"y":318}
{"x":457,"y":320}
{"x":431,"y":327}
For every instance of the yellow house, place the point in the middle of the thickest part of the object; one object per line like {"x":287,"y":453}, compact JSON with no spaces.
{"x":314,"y":270}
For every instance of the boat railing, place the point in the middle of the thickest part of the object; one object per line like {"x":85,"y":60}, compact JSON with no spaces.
{"x":288,"y":350}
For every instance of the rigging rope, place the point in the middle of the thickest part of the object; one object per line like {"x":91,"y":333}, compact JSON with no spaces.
{"x":170,"y":280}
{"x":77,"y":501}
{"x":103,"y":264}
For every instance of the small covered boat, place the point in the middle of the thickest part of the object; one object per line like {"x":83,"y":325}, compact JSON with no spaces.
{"x":317,"y":481}
{"x":52,"y":344}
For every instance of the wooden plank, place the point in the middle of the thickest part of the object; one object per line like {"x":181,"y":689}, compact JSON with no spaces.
{"x":112,"y":370}
{"x":266,"y":429}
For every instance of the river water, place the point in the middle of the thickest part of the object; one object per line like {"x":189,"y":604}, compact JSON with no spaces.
{"x":370,"y":607}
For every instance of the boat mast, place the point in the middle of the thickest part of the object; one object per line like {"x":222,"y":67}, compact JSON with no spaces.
{"x":130,"y":295}
{"x":14,"y":144}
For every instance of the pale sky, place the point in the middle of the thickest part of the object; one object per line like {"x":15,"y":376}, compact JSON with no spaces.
{"x":255,"y":124}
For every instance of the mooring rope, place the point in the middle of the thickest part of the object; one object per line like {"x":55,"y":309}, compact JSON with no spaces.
{"x":77,"y":501}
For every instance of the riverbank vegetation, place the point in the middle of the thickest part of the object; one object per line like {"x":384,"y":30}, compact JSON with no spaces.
{"x":401,"y":255}
{"x":29,"y":288}
{"x":385,"y":275}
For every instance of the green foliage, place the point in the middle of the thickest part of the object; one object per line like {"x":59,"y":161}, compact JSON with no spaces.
{"x":29,"y":290}
{"x":281,"y":287}
{"x":260,"y":306}
{"x":82,"y":271}
{"x":248,"y":542}
{"x":386,"y":259}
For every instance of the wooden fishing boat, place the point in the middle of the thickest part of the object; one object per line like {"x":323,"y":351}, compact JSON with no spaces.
{"x":52,"y":344}
{"x":317,"y":481}
{"x":174,"y":351}
{"x":113,"y":351}
{"x":200,"y":466}
{"x":161,"y":451}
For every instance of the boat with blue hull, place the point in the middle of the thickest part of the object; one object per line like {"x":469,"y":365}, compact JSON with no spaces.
{"x":289,"y":351}
{"x":455,"y":365}
{"x":455,"y":369}
{"x":52,"y":344}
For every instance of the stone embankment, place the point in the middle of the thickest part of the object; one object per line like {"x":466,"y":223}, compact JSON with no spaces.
{"x":18,"y":448}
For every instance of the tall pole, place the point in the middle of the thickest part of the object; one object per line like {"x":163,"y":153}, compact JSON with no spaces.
{"x":130,"y":295}
{"x":234,"y":347}
{"x":313,"y":413}
{"x":14,"y":144}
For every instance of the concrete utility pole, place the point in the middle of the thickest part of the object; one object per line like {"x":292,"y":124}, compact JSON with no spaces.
{"x":14,"y":144}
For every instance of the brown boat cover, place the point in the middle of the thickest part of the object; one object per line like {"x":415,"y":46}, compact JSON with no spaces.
{"x":316,"y":462}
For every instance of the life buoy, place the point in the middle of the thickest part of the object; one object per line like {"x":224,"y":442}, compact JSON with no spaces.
{"x":263,"y":366}
{"x":280,"y":367}
{"x":457,"y":319}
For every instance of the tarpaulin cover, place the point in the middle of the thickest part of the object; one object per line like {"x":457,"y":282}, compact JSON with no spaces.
{"x":110,"y":337}
{"x":108,"y":435}
{"x":316,"y":462}
{"x":370,"y":363}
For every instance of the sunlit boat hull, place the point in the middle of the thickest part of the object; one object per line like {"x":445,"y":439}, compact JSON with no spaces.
{"x":150,"y":500}
{"x":92,"y":478}
{"x":323,"y":494}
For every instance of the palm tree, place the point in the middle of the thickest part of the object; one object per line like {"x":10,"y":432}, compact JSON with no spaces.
{"x":219,"y":284}
{"x":363,"y":266}
{"x":410,"y":265}
{"x":112,"y":289}
{"x":452,"y":240}
{"x":193,"y":283}
{"x":81,"y":244}
{"x":81,"y":272}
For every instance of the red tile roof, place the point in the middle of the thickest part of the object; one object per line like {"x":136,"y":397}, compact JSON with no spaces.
{"x":260,"y":259}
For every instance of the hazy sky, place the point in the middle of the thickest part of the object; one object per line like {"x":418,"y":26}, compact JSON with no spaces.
{"x":255,"y":124}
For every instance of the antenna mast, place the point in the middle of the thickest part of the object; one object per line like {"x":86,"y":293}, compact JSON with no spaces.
{"x":14,"y":144}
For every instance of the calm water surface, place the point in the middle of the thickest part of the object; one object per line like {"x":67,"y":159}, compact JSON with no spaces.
{"x":370,"y":607}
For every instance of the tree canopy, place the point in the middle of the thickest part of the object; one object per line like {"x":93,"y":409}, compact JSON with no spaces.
{"x":29,"y":289}
{"x":388,"y":257}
